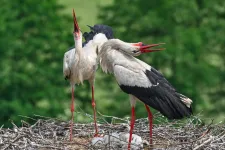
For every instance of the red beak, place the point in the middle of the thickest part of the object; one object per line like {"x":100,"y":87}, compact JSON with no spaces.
{"x":147,"y":48}
{"x":76,"y":27}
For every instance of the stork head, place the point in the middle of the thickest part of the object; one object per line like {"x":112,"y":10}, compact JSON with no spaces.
{"x":139,"y":48}
{"x":77,"y":32}
{"x":136,"y":49}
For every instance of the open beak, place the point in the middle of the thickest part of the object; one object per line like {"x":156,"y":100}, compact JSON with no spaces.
{"x":148,"y":48}
{"x":76,"y":27}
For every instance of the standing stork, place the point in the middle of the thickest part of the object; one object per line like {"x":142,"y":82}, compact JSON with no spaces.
{"x":142,"y":81}
{"x":80,"y":63}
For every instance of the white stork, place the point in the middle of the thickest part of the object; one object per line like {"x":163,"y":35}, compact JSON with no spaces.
{"x":142,"y":81}
{"x":80,"y":63}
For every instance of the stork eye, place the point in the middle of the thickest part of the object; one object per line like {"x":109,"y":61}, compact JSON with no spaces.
{"x":135,"y":51}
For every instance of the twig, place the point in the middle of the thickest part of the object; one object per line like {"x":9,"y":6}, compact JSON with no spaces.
{"x":27,"y":117}
{"x":49,"y":133}
{"x":113,"y":117}
{"x":204,"y":143}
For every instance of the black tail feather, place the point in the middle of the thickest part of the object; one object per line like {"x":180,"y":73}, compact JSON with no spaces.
{"x":171,"y":108}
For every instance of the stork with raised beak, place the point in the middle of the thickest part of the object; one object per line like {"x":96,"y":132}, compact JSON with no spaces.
{"x":80,"y":63}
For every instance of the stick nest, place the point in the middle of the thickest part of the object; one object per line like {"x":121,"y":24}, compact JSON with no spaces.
{"x":48,"y":133}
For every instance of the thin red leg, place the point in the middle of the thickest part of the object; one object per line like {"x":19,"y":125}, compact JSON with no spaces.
{"x":72,"y":111}
{"x":150,"y":116}
{"x":93,"y":106}
{"x":131,"y":126}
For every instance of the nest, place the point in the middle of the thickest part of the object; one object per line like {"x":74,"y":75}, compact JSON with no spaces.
{"x":49,"y":133}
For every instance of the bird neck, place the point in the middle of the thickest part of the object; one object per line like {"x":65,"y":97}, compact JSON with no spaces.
{"x":78,"y":46}
{"x":99,"y":40}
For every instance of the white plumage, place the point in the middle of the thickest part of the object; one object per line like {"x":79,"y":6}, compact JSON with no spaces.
{"x":80,"y":63}
{"x":141,"y":81}
{"x":117,"y":58}
{"x":80,"y":66}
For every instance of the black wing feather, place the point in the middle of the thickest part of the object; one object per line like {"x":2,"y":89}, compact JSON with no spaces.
{"x":162,"y":96}
{"x":98,"y":28}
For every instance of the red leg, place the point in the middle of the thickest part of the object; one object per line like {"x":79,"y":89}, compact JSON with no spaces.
{"x":150,"y":116}
{"x":93,"y":106}
{"x":72,"y":111}
{"x":131,"y":126}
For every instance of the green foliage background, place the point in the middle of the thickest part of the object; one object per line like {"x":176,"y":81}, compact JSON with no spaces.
{"x":35,"y":34}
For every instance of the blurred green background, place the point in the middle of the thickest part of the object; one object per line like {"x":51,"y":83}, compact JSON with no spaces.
{"x":35,"y":34}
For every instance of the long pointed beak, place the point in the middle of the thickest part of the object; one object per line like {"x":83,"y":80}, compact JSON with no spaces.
{"x":76,"y":27}
{"x":147,"y":48}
